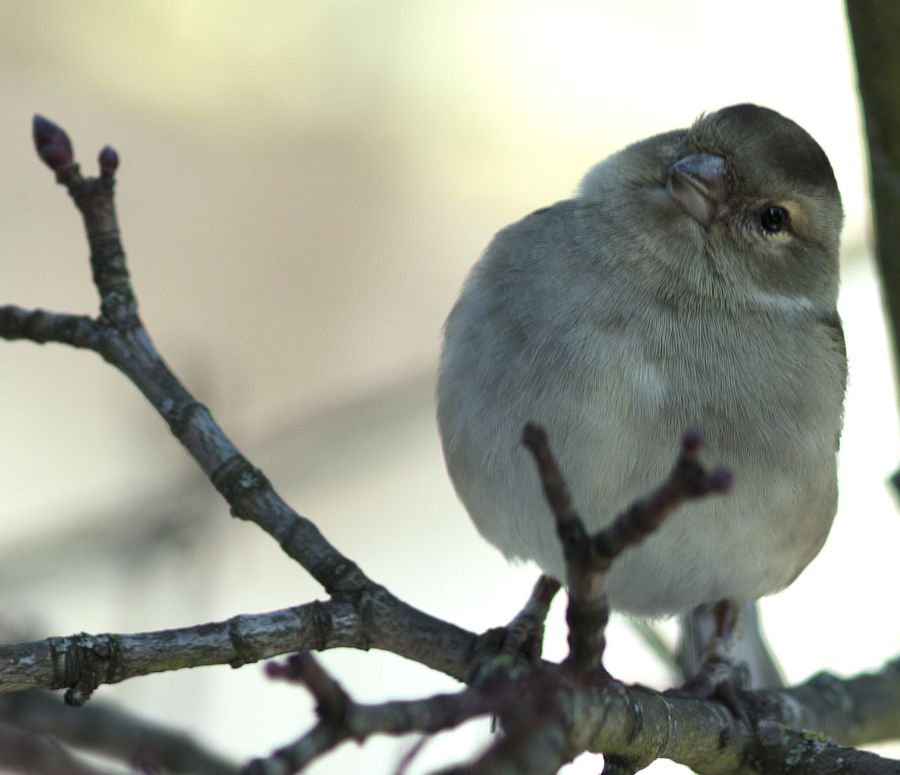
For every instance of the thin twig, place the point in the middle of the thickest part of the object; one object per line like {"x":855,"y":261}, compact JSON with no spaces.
{"x":587,"y":612}
{"x":524,"y":634}
{"x":588,"y":558}
{"x":26,"y":752}
{"x":120,"y":337}
{"x":332,"y":700}
{"x":103,"y":728}
{"x":688,"y":480}
{"x":341,"y":719}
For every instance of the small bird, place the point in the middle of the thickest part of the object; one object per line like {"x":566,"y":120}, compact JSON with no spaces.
{"x":690,"y":283}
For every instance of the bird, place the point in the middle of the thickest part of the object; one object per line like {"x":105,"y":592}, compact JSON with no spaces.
{"x":691,"y":282}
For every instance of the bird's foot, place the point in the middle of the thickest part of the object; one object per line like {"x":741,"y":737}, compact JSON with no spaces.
{"x":724,"y":680}
{"x":505,"y":650}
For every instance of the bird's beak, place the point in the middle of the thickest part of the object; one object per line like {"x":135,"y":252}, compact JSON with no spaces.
{"x":699,"y":184}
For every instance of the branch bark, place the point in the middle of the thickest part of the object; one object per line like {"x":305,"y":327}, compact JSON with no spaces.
{"x":81,"y":662}
{"x":551,"y":717}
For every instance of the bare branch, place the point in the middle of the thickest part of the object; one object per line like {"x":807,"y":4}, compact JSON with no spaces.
{"x":688,"y":480}
{"x":814,"y":754}
{"x":82,"y":662}
{"x":126,"y":344}
{"x":525,"y":633}
{"x":342,"y":719}
{"x":119,"y":336}
{"x":588,"y":611}
{"x":588,"y":558}
{"x":549,"y":717}
{"x":332,"y":701}
{"x":106,"y":729}
{"x":874,"y":30}
{"x":26,"y":752}
{"x":41,"y":326}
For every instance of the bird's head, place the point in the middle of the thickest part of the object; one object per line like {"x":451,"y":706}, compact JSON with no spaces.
{"x":745,"y":201}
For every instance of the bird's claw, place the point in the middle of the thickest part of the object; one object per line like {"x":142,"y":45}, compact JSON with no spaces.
{"x":724,"y":680}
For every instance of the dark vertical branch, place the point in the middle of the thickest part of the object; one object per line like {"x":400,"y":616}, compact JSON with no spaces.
{"x":875,"y":30}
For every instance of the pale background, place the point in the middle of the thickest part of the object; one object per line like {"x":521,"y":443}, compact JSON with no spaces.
{"x":302,"y":189}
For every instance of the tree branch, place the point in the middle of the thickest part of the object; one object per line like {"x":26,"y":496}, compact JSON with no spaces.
{"x":549,"y":718}
{"x":112,"y":731}
{"x":80,"y":663}
{"x":119,"y":336}
{"x":588,"y":558}
{"x":41,"y":326}
{"x":342,"y":719}
{"x":875,"y":30}
{"x":26,"y":752}
{"x":551,"y":713}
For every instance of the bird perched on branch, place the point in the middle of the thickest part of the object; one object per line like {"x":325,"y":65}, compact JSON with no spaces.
{"x":690,"y":283}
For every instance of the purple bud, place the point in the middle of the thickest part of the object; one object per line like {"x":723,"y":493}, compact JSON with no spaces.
{"x":720,"y":479}
{"x":273,"y":669}
{"x":51,"y":142}
{"x":108,"y":159}
{"x":691,"y":441}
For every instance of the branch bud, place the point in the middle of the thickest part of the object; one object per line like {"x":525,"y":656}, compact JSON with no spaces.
{"x":108,"y":159}
{"x":52,"y":143}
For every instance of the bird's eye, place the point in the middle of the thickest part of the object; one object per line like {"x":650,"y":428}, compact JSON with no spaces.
{"x":774,"y":219}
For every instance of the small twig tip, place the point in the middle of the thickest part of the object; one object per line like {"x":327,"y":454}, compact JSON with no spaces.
{"x":720,"y":480}
{"x":51,"y":142}
{"x":273,"y":670}
{"x":691,"y":441}
{"x":533,"y":435}
{"x":108,"y":158}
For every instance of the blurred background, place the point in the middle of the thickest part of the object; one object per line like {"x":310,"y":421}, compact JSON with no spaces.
{"x":303,"y":187}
